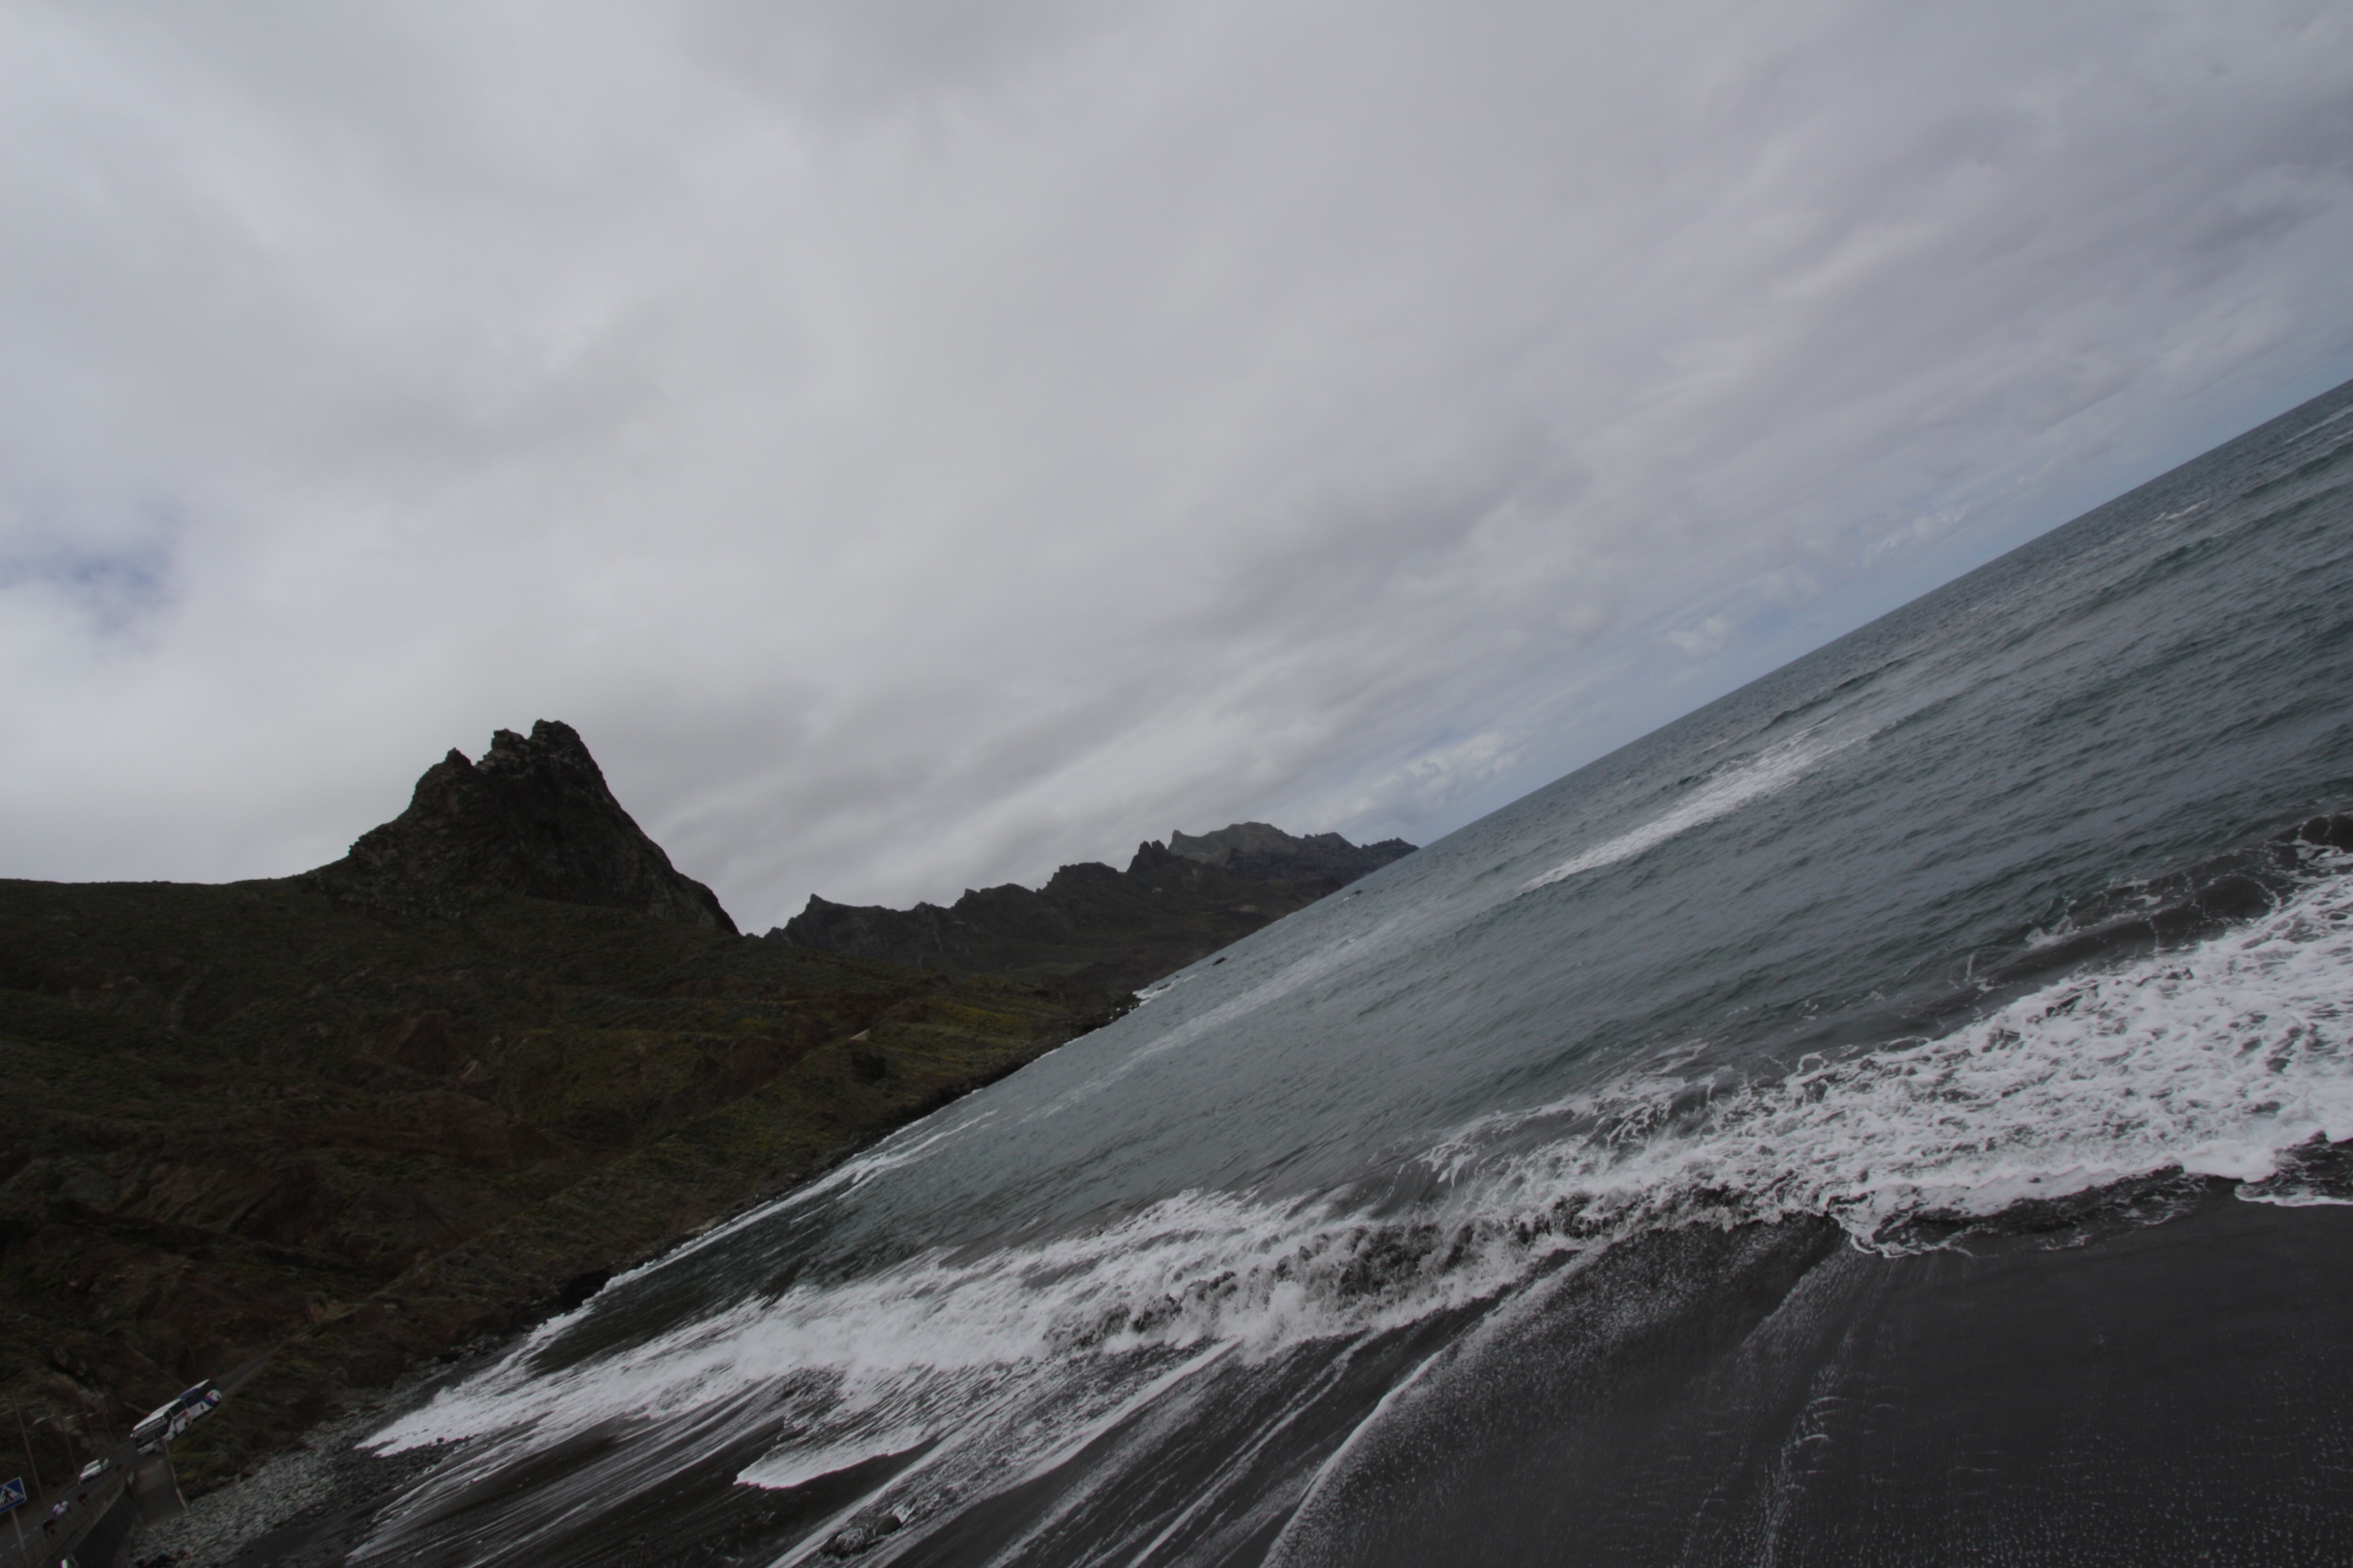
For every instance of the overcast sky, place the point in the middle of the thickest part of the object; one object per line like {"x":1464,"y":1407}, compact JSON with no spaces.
{"x":920,"y":442}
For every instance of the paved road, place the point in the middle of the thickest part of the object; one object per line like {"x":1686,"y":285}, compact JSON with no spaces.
{"x":94,"y":1513}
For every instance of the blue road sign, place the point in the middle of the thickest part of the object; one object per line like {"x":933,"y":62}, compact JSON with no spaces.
{"x":11,"y":1493}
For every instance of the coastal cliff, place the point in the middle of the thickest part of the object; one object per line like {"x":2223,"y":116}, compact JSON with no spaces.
{"x":430,"y":1092}
{"x":451,"y":1081}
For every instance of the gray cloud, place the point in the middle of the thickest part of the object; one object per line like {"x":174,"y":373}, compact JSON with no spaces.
{"x":919,"y":444}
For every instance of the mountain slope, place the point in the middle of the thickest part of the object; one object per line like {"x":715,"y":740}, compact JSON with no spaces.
{"x":414,"y":1095}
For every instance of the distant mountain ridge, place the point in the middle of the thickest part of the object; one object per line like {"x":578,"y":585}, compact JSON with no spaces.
{"x":1108,"y":931}
{"x":1262,"y":854}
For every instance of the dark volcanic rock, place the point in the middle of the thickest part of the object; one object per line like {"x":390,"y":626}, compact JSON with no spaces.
{"x":533,"y":817}
{"x":1105,"y":931}
{"x":1263,"y":854}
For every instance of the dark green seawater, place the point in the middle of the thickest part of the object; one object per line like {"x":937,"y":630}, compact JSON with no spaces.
{"x":1885,"y":1116}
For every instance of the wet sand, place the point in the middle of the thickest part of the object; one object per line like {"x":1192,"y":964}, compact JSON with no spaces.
{"x":2084,"y":1387}
{"x":2170,"y":1393}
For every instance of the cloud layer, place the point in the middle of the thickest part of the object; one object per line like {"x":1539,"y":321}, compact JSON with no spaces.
{"x":919,"y":443}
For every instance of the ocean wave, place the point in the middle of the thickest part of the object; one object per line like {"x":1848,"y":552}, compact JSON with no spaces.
{"x":2226,"y":1059}
{"x":1768,"y":772}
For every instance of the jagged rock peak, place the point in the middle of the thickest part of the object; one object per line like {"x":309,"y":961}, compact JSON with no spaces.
{"x":535,"y":816}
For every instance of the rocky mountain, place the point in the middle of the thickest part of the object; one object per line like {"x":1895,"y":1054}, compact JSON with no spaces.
{"x":1258,"y":852}
{"x":533,"y":817}
{"x":1106,"y":931}
{"x":446,"y":1085}
{"x":421,"y":1094}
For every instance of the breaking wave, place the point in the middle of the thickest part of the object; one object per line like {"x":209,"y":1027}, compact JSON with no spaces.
{"x":1768,"y":772}
{"x":2219,"y":1060}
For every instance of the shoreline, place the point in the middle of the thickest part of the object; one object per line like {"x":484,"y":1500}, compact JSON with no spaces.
{"x":307,"y":1503}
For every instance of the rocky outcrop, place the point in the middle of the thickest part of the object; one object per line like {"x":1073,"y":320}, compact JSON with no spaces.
{"x":1264,"y":854}
{"x":533,"y":817}
{"x":1106,"y":930}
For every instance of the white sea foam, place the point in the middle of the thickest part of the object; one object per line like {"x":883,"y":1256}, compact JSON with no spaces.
{"x":2216,"y":1060}
{"x":799,"y":1465}
{"x":1769,"y":771}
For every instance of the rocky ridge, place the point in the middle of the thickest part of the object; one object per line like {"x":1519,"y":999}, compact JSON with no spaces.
{"x":1105,"y":931}
{"x":1258,"y":853}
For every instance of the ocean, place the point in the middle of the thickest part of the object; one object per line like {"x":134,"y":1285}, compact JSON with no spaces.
{"x":1890,"y":1116}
